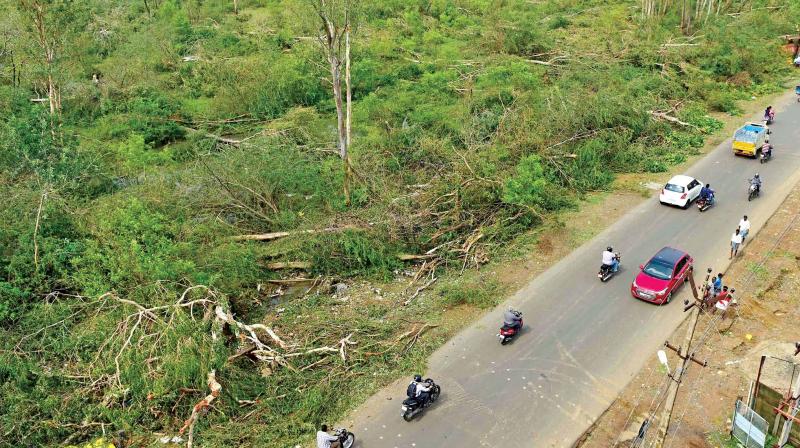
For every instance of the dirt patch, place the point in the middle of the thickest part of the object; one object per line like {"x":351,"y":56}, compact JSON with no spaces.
{"x":764,"y":324}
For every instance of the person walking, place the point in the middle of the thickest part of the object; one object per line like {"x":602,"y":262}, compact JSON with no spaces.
{"x":736,"y":241}
{"x":744,"y":228}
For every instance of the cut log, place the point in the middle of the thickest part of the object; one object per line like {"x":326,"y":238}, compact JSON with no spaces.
{"x":289,"y":265}
{"x":412,"y":257}
{"x":291,"y":281}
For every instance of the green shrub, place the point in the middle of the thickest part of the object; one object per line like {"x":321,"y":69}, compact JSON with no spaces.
{"x":478,"y":292}
{"x":149,"y":113}
{"x":352,"y":253}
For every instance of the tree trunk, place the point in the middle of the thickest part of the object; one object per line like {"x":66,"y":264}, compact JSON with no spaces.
{"x":349,"y":98}
{"x":236,"y":7}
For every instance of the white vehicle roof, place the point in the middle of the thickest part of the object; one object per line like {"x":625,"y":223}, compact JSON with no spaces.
{"x":681,"y":179}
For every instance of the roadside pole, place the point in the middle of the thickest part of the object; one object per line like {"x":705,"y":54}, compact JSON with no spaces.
{"x":792,"y":416}
{"x":686,"y":356}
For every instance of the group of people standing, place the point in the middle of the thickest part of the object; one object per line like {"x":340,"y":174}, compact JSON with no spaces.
{"x":717,"y":296}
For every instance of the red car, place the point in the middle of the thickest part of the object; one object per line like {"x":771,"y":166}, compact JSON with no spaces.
{"x":662,"y":275}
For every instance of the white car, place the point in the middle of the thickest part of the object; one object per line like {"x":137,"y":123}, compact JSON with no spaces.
{"x":681,"y":190}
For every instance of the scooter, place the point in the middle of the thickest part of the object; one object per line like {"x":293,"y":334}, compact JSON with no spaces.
{"x":704,"y":204}
{"x":413,"y":406}
{"x":606,"y":271}
{"x":507,"y":332}
{"x":346,"y":438}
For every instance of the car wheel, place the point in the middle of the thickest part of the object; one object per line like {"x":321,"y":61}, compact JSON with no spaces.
{"x":669,"y":298}
{"x":686,"y":205}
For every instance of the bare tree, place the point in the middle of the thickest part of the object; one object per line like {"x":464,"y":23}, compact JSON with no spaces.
{"x":334,"y":40}
{"x":36,"y":10}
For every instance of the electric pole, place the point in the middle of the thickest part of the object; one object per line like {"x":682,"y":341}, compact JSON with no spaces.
{"x":685,"y":355}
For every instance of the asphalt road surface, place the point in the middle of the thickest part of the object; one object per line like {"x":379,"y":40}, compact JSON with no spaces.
{"x":583,"y":339}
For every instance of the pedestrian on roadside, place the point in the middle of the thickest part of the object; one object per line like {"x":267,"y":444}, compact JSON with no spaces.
{"x":744,"y":228}
{"x":718,"y":284}
{"x":736,"y":241}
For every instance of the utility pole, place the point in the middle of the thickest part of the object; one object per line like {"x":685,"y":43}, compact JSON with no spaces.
{"x":685,"y":356}
{"x":791,"y":416}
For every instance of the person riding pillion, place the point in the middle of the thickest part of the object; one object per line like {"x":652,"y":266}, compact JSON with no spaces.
{"x":419,"y":389}
{"x":512,"y":318}
{"x":707,"y":194}
{"x":610,"y":259}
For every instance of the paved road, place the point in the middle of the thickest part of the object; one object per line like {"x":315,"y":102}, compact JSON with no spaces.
{"x":584,"y":340}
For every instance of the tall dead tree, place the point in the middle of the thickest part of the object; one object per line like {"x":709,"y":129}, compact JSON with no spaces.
{"x":334,"y":40}
{"x":36,"y":10}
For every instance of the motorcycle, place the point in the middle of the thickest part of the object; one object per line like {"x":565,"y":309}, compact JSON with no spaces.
{"x":766,"y":155}
{"x":413,"y":406}
{"x":507,"y":332}
{"x":704,"y":204}
{"x":346,"y":438}
{"x":753,"y":192}
{"x":607,"y":271}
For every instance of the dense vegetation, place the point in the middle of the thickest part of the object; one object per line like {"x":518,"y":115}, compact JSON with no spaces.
{"x":473,"y":120}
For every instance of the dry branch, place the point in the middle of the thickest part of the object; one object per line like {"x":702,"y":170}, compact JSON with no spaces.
{"x":276,"y":235}
{"x":671,"y":119}
{"x":201,"y":406}
{"x":419,"y":290}
{"x":289,"y":265}
{"x":225,"y":140}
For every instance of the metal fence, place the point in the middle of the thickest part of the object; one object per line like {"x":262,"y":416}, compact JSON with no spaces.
{"x":748,"y":427}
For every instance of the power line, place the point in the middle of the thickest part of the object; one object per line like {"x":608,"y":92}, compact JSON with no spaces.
{"x":713,"y":322}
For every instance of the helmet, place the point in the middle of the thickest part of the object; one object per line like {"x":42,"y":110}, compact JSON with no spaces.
{"x":609,"y":249}
{"x":756,"y":176}
{"x":418,"y":378}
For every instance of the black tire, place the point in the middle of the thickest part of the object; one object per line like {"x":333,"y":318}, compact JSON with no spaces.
{"x":750,"y":196}
{"x":349,"y":440}
{"x":504,"y":341}
{"x":686,"y":205}
{"x":762,"y":160}
{"x":408,"y":416}
{"x":669,"y":298}
{"x":435,"y":395}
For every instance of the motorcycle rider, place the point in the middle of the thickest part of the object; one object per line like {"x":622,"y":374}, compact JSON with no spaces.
{"x":769,"y":114}
{"x":756,"y":180}
{"x":421,"y":390}
{"x":766,"y":149}
{"x":325,"y":440}
{"x":610,"y":259}
{"x":707,"y":194}
{"x":512,"y":318}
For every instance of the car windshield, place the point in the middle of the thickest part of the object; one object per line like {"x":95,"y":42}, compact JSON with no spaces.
{"x":675,"y":188}
{"x":658,"y":269}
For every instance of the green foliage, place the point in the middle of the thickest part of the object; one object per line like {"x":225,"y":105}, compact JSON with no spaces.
{"x":132,"y":244}
{"x":529,"y":187}
{"x":478,"y":292}
{"x":352,"y":253}
{"x":149,"y":113}
{"x":458,"y":130}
